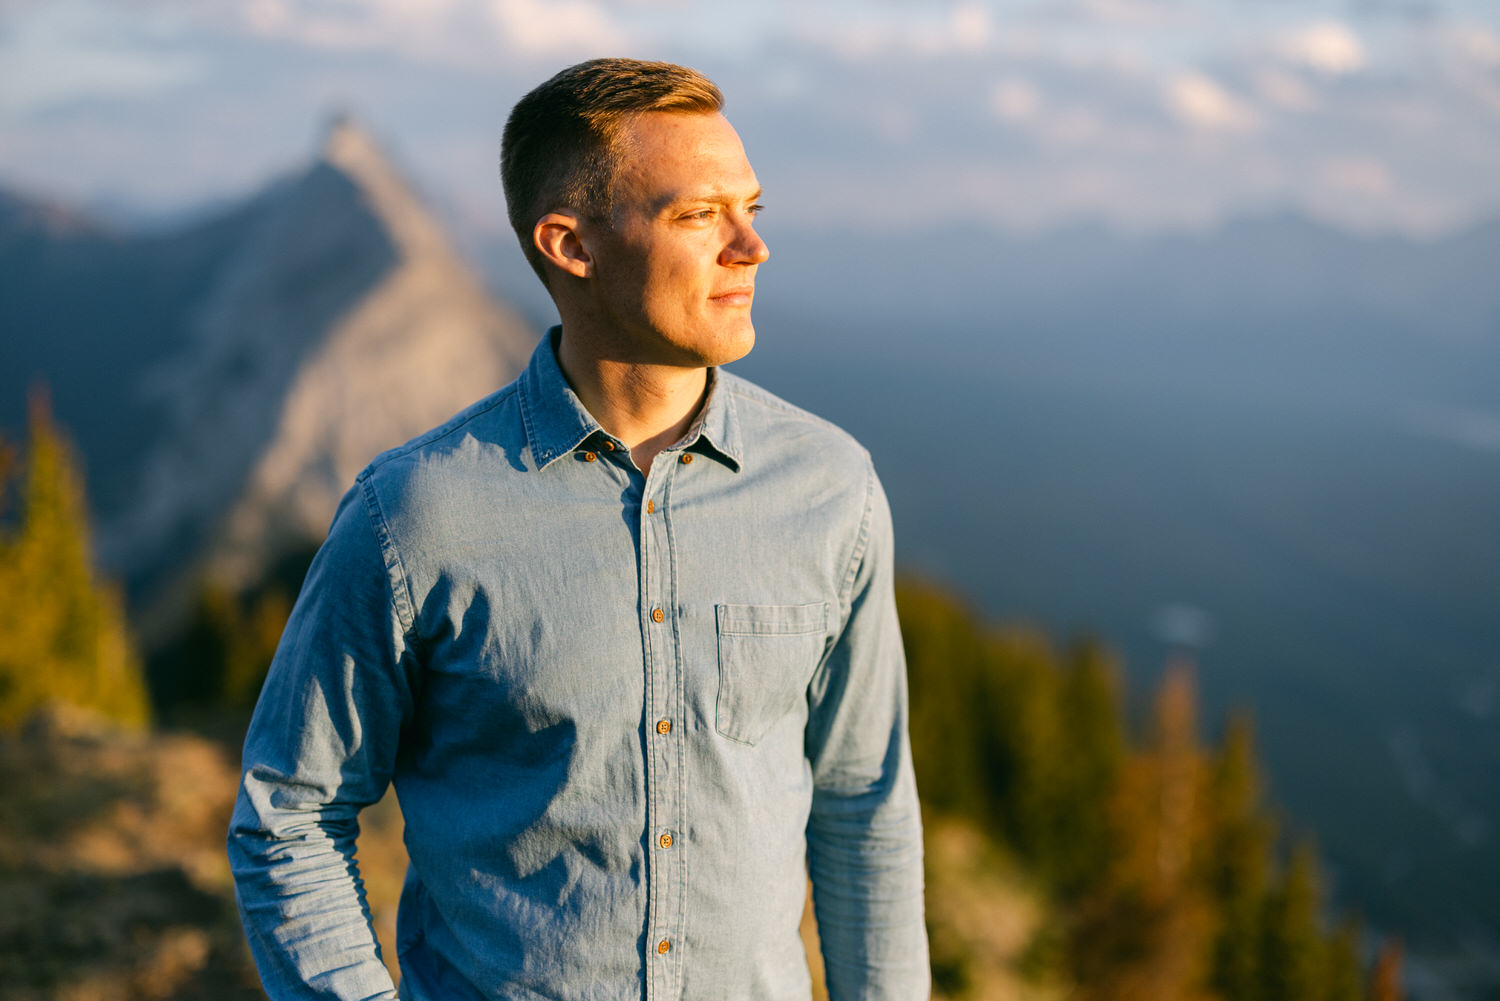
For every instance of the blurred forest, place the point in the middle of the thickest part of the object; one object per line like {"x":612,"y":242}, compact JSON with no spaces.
{"x":1072,"y":852}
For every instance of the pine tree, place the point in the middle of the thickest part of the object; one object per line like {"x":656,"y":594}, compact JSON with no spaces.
{"x":1024,"y":749}
{"x":1239,"y":847}
{"x":65,"y":634}
{"x":1294,"y":960}
{"x":220,"y":657}
{"x":1345,"y":975}
{"x":945,"y":667}
{"x":1088,"y":770}
{"x":1145,"y":933}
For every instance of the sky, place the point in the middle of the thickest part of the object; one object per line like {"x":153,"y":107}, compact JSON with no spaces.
{"x":881,"y":117}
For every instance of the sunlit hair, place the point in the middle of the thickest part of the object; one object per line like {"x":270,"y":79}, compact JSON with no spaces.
{"x":562,"y":140}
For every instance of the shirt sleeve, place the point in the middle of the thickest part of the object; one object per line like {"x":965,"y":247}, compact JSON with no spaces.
{"x":864,"y":833}
{"x":321,"y":746}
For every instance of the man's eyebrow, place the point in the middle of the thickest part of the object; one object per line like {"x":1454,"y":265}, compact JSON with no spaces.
{"x":715,"y":197}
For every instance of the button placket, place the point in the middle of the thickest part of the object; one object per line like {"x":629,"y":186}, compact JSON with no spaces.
{"x":664,"y":861}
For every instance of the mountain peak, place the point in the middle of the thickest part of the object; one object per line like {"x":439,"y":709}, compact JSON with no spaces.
{"x":350,"y":149}
{"x":335,"y":321}
{"x":347,"y":144}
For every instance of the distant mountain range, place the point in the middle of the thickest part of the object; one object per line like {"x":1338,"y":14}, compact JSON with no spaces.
{"x":226,"y":381}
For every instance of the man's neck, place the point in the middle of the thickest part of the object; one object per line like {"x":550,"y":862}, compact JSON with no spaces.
{"x":646,"y":406}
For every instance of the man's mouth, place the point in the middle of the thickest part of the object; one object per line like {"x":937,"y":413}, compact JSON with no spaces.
{"x":735,"y":296}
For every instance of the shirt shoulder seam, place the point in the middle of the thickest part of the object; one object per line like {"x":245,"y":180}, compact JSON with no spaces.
{"x":452,"y":425}
{"x":752,"y":393}
{"x":397,"y":580}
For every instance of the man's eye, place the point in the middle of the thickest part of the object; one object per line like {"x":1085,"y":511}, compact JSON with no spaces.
{"x":757,"y":209}
{"x":700,"y":214}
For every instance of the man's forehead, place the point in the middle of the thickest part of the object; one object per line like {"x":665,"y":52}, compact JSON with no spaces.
{"x":679,"y":155}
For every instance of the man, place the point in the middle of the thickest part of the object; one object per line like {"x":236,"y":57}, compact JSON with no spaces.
{"x":622,"y":634}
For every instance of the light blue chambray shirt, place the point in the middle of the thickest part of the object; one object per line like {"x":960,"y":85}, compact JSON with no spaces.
{"x":626,"y":716}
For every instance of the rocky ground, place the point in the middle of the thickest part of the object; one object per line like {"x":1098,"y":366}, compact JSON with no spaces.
{"x":112,"y":867}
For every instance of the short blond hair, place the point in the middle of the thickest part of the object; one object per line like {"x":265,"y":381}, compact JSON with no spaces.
{"x":560,"y":143}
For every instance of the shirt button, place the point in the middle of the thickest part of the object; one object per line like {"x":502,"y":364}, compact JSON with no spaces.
{"x":609,"y":446}
{"x":651,"y":507}
{"x":665,"y":841}
{"x":686,"y":458}
{"x":657,"y":615}
{"x":589,"y":457}
{"x":663,"y":947}
{"x":663,"y":726}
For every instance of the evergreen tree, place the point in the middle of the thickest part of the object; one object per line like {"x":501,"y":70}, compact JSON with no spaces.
{"x":1088,"y":770}
{"x":1024,"y":749}
{"x":1240,"y":840}
{"x":65,"y":634}
{"x":1145,"y":933}
{"x":220,"y":658}
{"x":1294,"y":960}
{"x":1345,"y":976}
{"x":945,"y":665}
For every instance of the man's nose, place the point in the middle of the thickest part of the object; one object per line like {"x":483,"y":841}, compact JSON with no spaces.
{"x":746,"y":247}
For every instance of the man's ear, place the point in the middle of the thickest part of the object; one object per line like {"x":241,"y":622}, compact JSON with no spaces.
{"x":557,"y":236}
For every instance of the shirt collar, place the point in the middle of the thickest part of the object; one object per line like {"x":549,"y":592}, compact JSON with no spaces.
{"x":557,"y":422}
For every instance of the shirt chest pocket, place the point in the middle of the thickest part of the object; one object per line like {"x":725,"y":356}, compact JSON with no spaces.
{"x":767,"y":655}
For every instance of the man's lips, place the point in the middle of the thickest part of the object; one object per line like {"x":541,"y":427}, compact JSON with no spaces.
{"x":734,"y":296}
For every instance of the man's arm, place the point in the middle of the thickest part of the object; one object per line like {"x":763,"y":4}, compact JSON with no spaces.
{"x":321,"y":746}
{"x":864,"y":835}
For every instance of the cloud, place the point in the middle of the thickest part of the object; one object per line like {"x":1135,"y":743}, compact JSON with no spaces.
{"x":1478,"y":45}
{"x":462,"y":32}
{"x":963,"y":28}
{"x":1285,"y":90}
{"x":1200,"y":101}
{"x":54,"y":54}
{"x":1364,"y":175}
{"x":1134,"y":13}
{"x":545,"y":27}
{"x":1015,"y":100}
{"x":1327,"y":46}
{"x":1470,"y":57}
{"x":342,"y":25}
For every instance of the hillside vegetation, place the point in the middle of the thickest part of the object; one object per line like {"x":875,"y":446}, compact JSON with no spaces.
{"x":64,"y":636}
{"x":1156,"y":859}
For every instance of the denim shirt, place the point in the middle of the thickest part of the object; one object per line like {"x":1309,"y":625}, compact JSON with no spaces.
{"x":626,"y":717}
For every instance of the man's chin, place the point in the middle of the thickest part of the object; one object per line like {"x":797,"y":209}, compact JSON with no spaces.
{"x":734,"y":347}
{"x":742,"y":351}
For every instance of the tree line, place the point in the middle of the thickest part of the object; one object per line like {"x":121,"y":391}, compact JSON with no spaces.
{"x":1160,"y":856}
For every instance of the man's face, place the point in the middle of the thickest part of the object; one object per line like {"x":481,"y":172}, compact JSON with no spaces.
{"x":675,"y":267}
